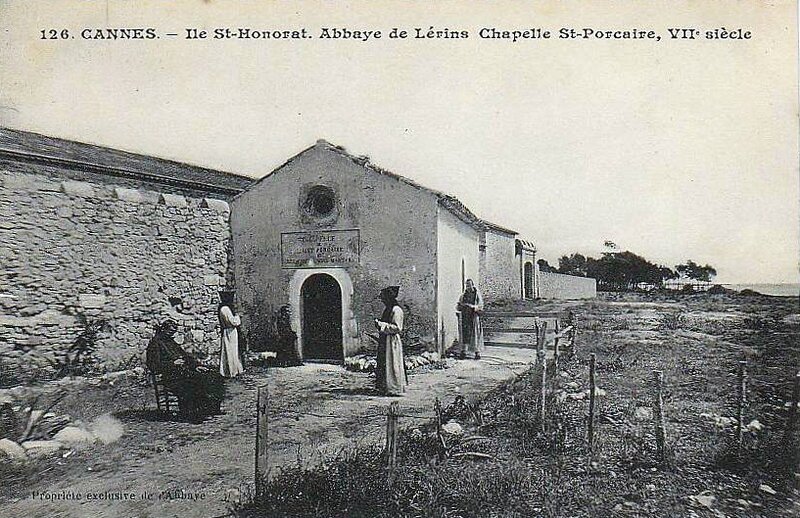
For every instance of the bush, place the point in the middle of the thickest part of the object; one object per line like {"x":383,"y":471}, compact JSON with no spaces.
{"x":356,"y":484}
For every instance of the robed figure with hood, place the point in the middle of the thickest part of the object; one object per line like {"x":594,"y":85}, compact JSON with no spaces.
{"x":390,"y":372}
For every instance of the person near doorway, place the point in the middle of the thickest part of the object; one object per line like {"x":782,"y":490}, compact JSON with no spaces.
{"x":471,"y":306}
{"x":390,"y":372}
{"x":230,"y":365}
{"x":286,"y":339}
{"x":199,"y":390}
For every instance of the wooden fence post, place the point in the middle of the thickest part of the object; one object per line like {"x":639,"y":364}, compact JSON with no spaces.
{"x":541,"y":347}
{"x":262,"y":453}
{"x":791,"y":423}
{"x":541,"y":407}
{"x":592,"y":383}
{"x":658,"y":415}
{"x":391,"y":435}
{"x":556,"y":350}
{"x":437,"y":408}
{"x":573,"y":335}
{"x":740,"y":408}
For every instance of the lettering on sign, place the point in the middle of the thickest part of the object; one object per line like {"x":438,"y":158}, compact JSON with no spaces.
{"x":320,"y":249}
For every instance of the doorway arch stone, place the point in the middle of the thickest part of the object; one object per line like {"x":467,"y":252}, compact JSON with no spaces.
{"x":349,"y":326}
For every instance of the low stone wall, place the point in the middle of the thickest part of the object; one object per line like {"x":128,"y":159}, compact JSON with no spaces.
{"x":92,"y":249}
{"x":560,"y":286}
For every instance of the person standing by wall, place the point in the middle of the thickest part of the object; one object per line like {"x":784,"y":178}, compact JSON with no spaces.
{"x":471,"y":306}
{"x":230,"y":365}
{"x":390,"y":372}
{"x":285,"y":339}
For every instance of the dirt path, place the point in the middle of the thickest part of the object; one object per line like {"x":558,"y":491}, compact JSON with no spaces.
{"x":199,"y":464}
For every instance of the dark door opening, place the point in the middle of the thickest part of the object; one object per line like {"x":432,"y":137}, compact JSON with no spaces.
{"x":528,"y":280}
{"x":321,"y":298}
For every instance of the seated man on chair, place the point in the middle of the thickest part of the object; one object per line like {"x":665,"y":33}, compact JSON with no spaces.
{"x":198,"y":389}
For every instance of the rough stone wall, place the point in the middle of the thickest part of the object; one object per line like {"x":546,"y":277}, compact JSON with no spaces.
{"x":94,"y":248}
{"x":560,"y":286}
{"x":499,"y":267}
{"x":397,"y":224}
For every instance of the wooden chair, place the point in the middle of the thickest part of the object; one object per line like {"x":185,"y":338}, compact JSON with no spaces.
{"x":166,"y":401}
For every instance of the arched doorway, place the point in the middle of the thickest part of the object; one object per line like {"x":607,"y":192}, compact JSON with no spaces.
{"x":321,"y":306}
{"x":528,"y":280}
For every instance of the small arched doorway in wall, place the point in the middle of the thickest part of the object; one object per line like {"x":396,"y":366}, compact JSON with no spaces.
{"x":321,"y":318}
{"x":528,"y":276}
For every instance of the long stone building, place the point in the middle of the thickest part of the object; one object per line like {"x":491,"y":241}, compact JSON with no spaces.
{"x":89,"y":233}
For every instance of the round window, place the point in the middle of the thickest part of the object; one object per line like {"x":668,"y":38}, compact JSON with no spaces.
{"x":320,"y":201}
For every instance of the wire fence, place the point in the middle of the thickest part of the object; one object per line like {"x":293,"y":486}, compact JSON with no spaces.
{"x":564,"y":337}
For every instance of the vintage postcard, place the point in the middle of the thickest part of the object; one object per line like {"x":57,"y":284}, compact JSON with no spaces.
{"x":333,"y":258}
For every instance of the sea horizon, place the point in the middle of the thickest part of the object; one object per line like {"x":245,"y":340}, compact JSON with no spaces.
{"x":779,"y":289}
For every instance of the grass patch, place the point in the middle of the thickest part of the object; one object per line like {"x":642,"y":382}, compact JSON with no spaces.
{"x":550,"y":472}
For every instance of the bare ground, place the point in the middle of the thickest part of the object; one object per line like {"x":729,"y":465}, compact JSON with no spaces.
{"x":315,"y":410}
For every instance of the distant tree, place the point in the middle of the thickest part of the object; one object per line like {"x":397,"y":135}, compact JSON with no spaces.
{"x":544,"y":266}
{"x":667,"y":274}
{"x":574,"y":264}
{"x":610,"y":245}
{"x":692,"y":270}
{"x":624,"y":270}
{"x":615,"y":270}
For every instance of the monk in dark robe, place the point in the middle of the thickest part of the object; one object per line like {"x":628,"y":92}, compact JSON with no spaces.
{"x":286,"y":339}
{"x":471,"y":305}
{"x":198,"y":389}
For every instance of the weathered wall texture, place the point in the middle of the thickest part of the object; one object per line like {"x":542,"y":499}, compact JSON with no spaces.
{"x":397,"y":223}
{"x":559,"y":286}
{"x":129,"y":256}
{"x":500,"y":277}
{"x":458,"y":244}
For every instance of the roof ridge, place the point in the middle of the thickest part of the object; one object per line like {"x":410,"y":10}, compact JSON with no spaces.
{"x":106,"y":148}
{"x":449,"y":201}
{"x":27,"y":146}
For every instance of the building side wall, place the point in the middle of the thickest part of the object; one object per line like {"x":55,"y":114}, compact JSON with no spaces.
{"x":457,"y":242}
{"x":397,"y":225}
{"x":500,"y":273}
{"x":92,"y":249}
{"x":559,"y":286}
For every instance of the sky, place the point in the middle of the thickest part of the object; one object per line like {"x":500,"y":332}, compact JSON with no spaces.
{"x":675,"y":150}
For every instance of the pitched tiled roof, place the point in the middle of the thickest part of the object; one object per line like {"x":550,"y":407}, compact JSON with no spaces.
{"x":35,"y":148}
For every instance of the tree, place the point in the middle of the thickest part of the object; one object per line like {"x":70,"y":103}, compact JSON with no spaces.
{"x":667,"y":274}
{"x":692,"y":270}
{"x":574,"y":264}
{"x":544,"y":266}
{"x":624,"y":270}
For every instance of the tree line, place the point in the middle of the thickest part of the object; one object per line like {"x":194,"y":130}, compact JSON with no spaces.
{"x":615,"y":270}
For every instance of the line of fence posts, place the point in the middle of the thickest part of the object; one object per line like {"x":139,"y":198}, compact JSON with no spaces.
{"x":393,"y":414}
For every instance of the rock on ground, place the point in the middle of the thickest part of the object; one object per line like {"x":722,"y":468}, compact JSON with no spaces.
{"x":12,"y":450}
{"x":41,"y":448}
{"x":74,"y":436}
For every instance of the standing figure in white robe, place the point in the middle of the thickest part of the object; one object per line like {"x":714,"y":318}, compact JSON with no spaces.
{"x":471,"y":306}
{"x":230,"y":365}
{"x":390,"y":372}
